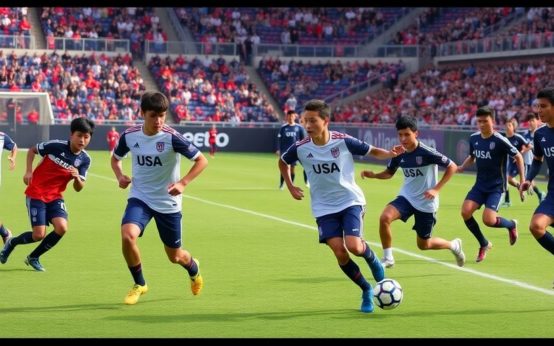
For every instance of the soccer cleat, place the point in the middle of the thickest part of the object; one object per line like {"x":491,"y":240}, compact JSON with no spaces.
{"x":458,"y":253}
{"x":33,"y":262}
{"x":196,"y":282}
{"x":377,"y":269}
{"x":367,"y":301}
{"x":281,"y":187}
{"x":7,"y":237}
{"x":513,"y":233}
{"x":135,"y":293}
{"x":308,"y":184}
{"x":507,"y":204}
{"x":483,"y":252}
{"x":388,"y":262}
{"x":6,"y":251}
{"x":541,"y":196}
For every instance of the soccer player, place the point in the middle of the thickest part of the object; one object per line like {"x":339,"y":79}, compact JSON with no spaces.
{"x":212,"y":134}
{"x":156,"y":189}
{"x":533,"y":124}
{"x":112,"y":137}
{"x":338,"y":204}
{"x":522,"y":145}
{"x":7,"y":143}
{"x":419,"y":196}
{"x":489,"y":150}
{"x":62,"y":161}
{"x":290,"y":133}
{"x":543,"y":149}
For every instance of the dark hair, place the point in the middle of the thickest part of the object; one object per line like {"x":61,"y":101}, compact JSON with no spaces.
{"x":485,"y":111}
{"x":291,"y":111}
{"x":406,"y":122}
{"x":319,"y":106}
{"x":532,"y":115}
{"x":154,"y":101}
{"x":83,"y":125}
{"x":547,"y":93}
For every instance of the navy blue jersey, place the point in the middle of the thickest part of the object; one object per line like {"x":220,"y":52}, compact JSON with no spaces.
{"x":517,"y":141}
{"x":490,"y":157}
{"x":543,"y":147}
{"x":420,"y":174}
{"x":288,"y":135}
{"x":528,"y":156}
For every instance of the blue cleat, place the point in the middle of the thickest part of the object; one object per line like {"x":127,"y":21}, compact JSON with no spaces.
{"x":6,"y":251}
{"x":367,"y":301}
{"x":377,"y":269}
{"x":33,"y":262}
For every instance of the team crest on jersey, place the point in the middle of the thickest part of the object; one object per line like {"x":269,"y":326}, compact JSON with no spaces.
{"x":419,"y":160}
{"x":492,"y":145}
{"x":160,"y":146}
{"x":77,"y":162}
{"x":335,"y":152}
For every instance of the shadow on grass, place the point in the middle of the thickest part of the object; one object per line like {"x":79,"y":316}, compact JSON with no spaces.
{"x":76,"y":307}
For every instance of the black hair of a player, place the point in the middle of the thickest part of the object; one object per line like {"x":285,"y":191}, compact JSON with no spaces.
{"x":406,"y":122}
{"x":319,"y":106}
{"x":547,"y":93}
{"x":83,"y":125}
{"x":154,"y":101}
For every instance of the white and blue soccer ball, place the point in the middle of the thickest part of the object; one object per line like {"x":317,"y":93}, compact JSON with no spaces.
{"x":387,"y":294}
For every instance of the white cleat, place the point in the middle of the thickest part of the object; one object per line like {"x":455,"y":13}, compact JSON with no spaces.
{"x":387,"y":262}
{"x":458,"y":253}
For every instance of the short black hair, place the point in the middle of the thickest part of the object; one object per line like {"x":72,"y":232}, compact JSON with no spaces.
{"x":319,"y":106}
{"x":485,"y":110}
{"x":406,"y":122}
{"x":154,"y":101}
{"x":532,"y":115}
{"x":291,"y":111}
{"x":84,"y":125}
{"x":547,"y":93}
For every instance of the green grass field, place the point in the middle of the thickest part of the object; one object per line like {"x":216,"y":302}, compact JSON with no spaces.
{"x":265,"y":273}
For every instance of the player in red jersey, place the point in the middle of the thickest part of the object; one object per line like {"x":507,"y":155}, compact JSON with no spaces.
{"x":112,"y":137}
{"x":62,"y":161}
{"x":212,"y":135}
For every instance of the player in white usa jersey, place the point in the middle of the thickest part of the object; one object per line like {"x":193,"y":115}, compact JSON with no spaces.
{"x":156,"y":189}
{"x":338,"y":204}
{"x":419,"y":195}
{"x":8,"y":144}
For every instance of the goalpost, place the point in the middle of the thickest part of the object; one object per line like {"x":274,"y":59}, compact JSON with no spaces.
{"x":11,"y":103}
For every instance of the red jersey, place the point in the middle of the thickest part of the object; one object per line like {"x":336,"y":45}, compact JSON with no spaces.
{"x":52,"y":174}
{"x":212,"y":133}
{"x":112,"y":137}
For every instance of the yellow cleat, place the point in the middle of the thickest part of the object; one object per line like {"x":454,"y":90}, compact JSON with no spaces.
{"x":196,"y":282}
{"x":135,"y":293}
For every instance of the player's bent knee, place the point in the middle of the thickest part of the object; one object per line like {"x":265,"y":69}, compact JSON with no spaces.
{"x":536,"y":230}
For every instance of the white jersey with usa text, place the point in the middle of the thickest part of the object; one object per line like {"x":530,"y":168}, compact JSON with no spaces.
{"x":330,"y":171}
{"x":156,"y":162}
{"x":420,"y":174}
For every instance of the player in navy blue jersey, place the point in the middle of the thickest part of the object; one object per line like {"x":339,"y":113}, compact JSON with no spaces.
{"x":8,"y":144}
{"x":489,"y":150}
{"x":533,"y":123}
{"x":289,"y":134}
{"x":543,"y":149}
{"x":419,"y":195}
{"x":62,"y":161}
{"x":522,"y":145}
{"x":338,"y":203}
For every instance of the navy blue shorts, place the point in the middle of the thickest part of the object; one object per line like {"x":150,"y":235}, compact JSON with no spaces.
{"x":169,"y":225}
{"x":349,"y":221}
{"x":41,"y":214}
{"x":490,"y":199}
{"x":546,"y":206}
{"x":424,"y":222}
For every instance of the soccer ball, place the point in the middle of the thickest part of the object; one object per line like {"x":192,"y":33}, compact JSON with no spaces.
{"x":387,"y":294}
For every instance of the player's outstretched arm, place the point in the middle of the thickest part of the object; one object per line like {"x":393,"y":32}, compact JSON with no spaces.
{"x":122,"y":179}
{"x":383,"y":154}
{"x":199,"y":164}
{"x":29,"y":164}
{"x":386,"y":174}
{"x":296,"y":192}
{"x":12,"y":156}
{"x":467,"y":162}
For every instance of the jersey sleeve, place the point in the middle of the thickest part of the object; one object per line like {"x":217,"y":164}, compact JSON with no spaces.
{"x":184,"y":147}
{"x":434,"y":157}
{"x":291,"y":155}
{"x":121,"y":149}
{"x":537,"y":150}
{"x":393,"y":164}
{"x":356,"y":146}
{"x":45,"y":148}
{"x":8,"y":142}
{"x":471,"y":148}
{"x":512,"y":151}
